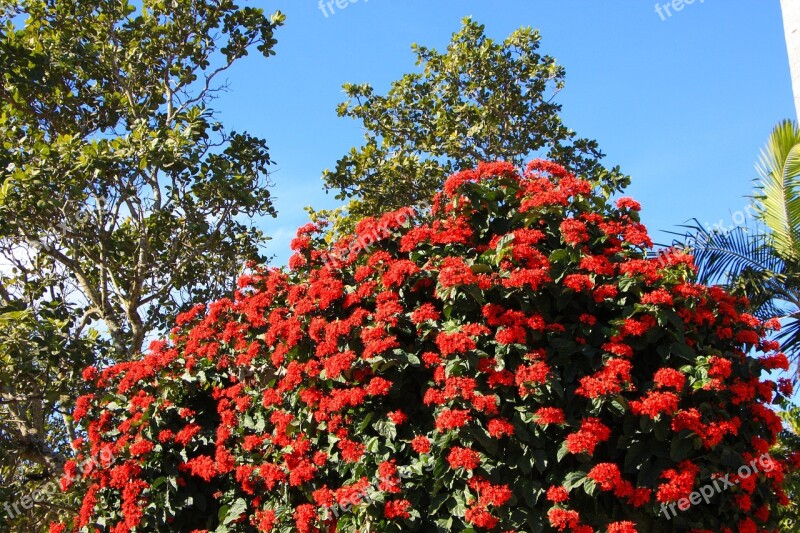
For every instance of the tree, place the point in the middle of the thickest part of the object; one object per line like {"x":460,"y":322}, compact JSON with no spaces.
{"x":763,"y":262}
{"x":123,"y":199}
{"x":507,"y":360}
{"x":42,"y":354}
{"x":480,"y":100}
{"x":115,"y":166}
{"x":791,"y":27}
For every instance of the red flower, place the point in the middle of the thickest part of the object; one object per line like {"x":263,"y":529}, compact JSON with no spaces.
{"x":534,"y":374}
{"x":499,"y":427}
{"x":399,"y":272}
{"x":397,"y":509}
{"x":351,"y":451}
{"x":606,"y":475}
{"x":578,"y":282}
{"x":378,"y":387}
{"x":586,"y":439}
{"x":450,"y":343}
{"x":89,"y":373}
{"x":480,"y":517}
{"x":452,"y":419}
{"x":398,"y":417}
{"x":658,"y":297}
{"x":605,"y":292}
{"x":557,"y":494}
{"x":778,"y":361}
{"x":141,"y":447}
{"x":304,"y":518}
{"x":627,"y":202}
{"x":549,"y":415}
{"x":185,"y":435}
{"x":201,"y":466}
{"x":574,"y":231}
{"x":680,"y":482}
{"x":82,"y":406}
{"x":266,"y":520}
{"x":598,"y":265}
{"x":720,"y":368}
{"x":421,"y":444}
{"x":562,"y":519}
{"x":670,"y":378}
{"x":463,"y":458}
{"x":655,"y":403}
{"x":423,"y":313}
{"x":636,"y":328}
{"x":455,"y":272}
{"x":611,"y":380}
{"x":388,"y":478}
{"x":622,"y":527}
{"x":489,"y":493}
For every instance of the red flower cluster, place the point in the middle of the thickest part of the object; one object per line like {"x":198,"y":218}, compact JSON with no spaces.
{"x":436,"y":372}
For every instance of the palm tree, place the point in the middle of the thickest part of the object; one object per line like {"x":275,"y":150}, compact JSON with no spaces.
{"x":762,"y":261}
{"x":791,"y":27}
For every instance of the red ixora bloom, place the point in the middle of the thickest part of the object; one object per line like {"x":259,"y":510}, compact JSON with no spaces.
{"x":680,"y":482}
{"x":398,"y":417}
{"x":622,"y":527}
{"x":579,"y":282}
{"x":557,"y":494}
{"x":606,"y":475}
{"x":452,"y":419}
{"x":669,"y":378}
{"x":304,"y":517}
{"x":655,"y":403}
{"x":201,"y":466}
{"x":423,"y":313}
{"x":480,"y":517}
{"x":627,"y":202}
{"x":574,"y":231}
{"x":591,"y":433}
{"x":397,"y":509}
{"x":612,"y":379}
{"x":529,"y":376}
{"x":450,"y":343}
{"x":455,"y":272}
{"x":499,"y":427}
{"x":549,"y":415}
{"x":421,"y":444}
{"x":463,"y":458}
{"x":563,"y":519}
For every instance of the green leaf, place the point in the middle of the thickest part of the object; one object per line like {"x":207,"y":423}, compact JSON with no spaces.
{"x":236,"y":510}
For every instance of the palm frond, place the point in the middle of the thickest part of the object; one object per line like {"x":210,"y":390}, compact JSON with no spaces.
{"x":723,"y":256}
{"x":742,"y":260}
{"x":789,"y":337}
{"x":779,"y":187}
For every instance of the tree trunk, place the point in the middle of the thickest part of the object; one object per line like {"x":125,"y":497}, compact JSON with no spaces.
{"x":791,"y":28}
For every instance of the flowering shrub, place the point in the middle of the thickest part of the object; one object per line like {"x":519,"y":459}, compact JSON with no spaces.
{"x":512,"y":362}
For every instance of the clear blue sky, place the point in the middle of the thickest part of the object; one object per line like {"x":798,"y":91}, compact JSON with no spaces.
{"x":682,"y":104}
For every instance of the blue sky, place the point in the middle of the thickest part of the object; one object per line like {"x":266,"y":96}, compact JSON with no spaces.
{"x":683,"y":103}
